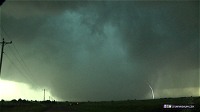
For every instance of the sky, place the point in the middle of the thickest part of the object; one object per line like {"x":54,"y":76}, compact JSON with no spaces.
{"x":100,"y":50}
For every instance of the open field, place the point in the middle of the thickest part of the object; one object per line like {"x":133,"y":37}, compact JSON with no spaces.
{"x":104,"y":106}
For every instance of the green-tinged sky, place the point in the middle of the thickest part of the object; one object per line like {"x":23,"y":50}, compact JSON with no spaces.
{"x":103,"y":50}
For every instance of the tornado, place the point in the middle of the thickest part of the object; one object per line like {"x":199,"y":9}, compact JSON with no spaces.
{"x":151,"y":90}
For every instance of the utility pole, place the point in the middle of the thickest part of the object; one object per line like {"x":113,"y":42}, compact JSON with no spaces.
{"x":2,"y":48}
{"x":44,"y":94}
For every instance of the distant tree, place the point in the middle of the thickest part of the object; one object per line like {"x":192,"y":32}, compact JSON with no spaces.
{"x":20,"y":100}
{"x":14,"y":100}
{"x":24,"y":100}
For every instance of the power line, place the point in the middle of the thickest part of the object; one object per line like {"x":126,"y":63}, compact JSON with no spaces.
{"x":22,"y":73}
{"x":2,"y":48}
{"x":23,"y":62}
{"x":19,"y":58}
{"x":44,"y":94}
{"x":19,"y":55}
{"x":9,"y":59}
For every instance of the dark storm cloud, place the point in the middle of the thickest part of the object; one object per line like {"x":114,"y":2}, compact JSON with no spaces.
{"x":26,"y":8}
{"x":107,"y":50}
{"x":1,"y":2}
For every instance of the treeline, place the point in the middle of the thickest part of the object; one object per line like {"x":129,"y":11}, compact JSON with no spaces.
{"x":27,"y":101}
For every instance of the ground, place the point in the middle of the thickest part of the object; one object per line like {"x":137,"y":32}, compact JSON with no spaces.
{"x":156,"y":105}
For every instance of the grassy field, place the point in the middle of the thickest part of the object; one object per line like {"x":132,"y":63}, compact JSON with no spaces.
{"x":104,"y":106}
